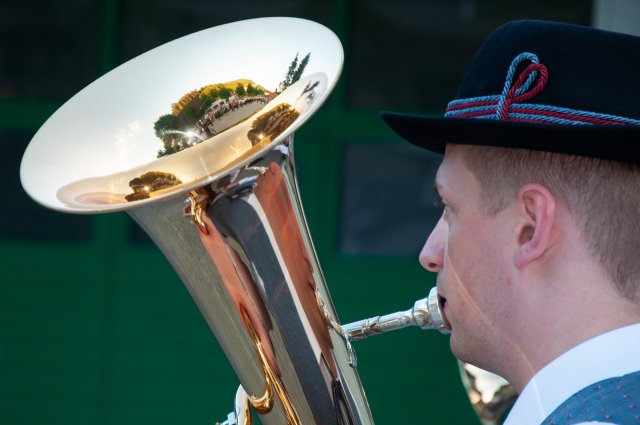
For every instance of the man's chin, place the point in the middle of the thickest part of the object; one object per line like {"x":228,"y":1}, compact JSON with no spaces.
{"x":466,"y":356}
{"x":463,"y":352}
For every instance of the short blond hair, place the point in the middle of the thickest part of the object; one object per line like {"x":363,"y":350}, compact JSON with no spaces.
{"x":603,"y":196}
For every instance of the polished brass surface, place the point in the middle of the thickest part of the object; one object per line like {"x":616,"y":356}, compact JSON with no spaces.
{"x":273,"y":384}
{"x":243,"y":415}
{"x":490,"y":395}
{"x":249,"y":264}
{"x":217,"y":110}
{"x":198,"y":200}
{"x":264,"y":403}
{"x":148,"y":183}
{"x":339,"y":330}
{"x":194,"y":156}
{"x":425,"y":314}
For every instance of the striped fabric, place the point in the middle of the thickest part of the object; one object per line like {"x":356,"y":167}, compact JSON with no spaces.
{"x":510,"y":106}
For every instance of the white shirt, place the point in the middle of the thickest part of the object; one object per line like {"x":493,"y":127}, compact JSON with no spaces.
{"x":614,"y":353}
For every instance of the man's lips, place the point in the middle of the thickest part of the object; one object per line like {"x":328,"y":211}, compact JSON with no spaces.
{"x":442,"y":304}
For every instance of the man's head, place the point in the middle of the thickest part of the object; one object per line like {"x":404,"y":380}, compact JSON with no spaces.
{"x":526,"y":262}
{"x":535,"y":251}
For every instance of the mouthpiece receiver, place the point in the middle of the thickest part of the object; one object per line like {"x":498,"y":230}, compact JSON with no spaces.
{"x":425,"y":314}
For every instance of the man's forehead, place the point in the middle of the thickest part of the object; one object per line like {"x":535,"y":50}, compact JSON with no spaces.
{"x":452,"y":169}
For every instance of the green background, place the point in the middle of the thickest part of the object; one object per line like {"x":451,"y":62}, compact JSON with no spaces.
{"x":96,"y":328}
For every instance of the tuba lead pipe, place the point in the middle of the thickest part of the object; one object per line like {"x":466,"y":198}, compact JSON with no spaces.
{"x":425,"y":314}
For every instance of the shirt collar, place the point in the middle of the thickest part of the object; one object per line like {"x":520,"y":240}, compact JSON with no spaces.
{"x":614,"y":353}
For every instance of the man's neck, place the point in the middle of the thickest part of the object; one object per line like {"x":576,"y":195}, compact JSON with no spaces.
{"x":573,"y":316}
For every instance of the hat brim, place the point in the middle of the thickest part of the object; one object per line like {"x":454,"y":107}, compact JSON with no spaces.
{"x":611,"y":142}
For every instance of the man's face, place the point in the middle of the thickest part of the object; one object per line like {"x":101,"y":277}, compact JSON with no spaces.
{"x":469,"y":249}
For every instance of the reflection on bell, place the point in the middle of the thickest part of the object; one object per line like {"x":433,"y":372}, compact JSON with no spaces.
{"x":490,"y":395}
{"x":221,"y":202}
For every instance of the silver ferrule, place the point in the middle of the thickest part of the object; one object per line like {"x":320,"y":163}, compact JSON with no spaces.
{"x":425,"y":314}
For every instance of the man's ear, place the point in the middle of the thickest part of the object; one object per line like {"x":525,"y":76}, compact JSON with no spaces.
{"x":537,"y":208}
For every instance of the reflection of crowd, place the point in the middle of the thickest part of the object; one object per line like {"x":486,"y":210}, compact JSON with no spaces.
{"x":221,"y":107}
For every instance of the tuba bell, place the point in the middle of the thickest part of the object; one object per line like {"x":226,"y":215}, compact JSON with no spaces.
{"x":194,"y":140}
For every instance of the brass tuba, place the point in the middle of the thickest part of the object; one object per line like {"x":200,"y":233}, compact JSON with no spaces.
{"x":194,"y":140}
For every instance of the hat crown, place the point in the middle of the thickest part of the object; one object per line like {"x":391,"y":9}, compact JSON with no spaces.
{"x":542,"y":86}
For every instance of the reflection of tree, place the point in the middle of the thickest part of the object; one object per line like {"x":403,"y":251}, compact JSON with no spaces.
{"x":166,"y":122}
{"x":303,"y":64}
{"x":168,"y":128}
{"x":191,"y":112}
{"x":199,"y":114}
{"x":254,"y":91}
{"x":271,"y":124}
{"x":295,"y":71}
{"x":310,"y":86}
{"x":289,"y":75}
{"x":151,"y":181}
{"x":184,"y":101}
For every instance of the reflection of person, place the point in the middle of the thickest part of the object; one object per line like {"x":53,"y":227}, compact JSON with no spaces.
{"x":271,"y":191}
{"x":537,"y":248}
{"x":241,"y":289}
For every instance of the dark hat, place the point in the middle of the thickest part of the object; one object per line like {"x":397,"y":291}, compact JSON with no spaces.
{"x":542,"y":86}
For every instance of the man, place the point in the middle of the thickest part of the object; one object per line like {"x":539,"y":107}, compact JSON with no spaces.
{"x":537,"y":250}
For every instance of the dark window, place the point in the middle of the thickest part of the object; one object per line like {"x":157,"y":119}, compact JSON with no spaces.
{"x":50,"y":49}
{"x":412,"y":54}
{"x":387,"y":199}
{"x":148,"y":23}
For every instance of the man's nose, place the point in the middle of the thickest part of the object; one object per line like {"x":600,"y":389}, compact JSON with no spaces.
{"x":432,"y":254}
